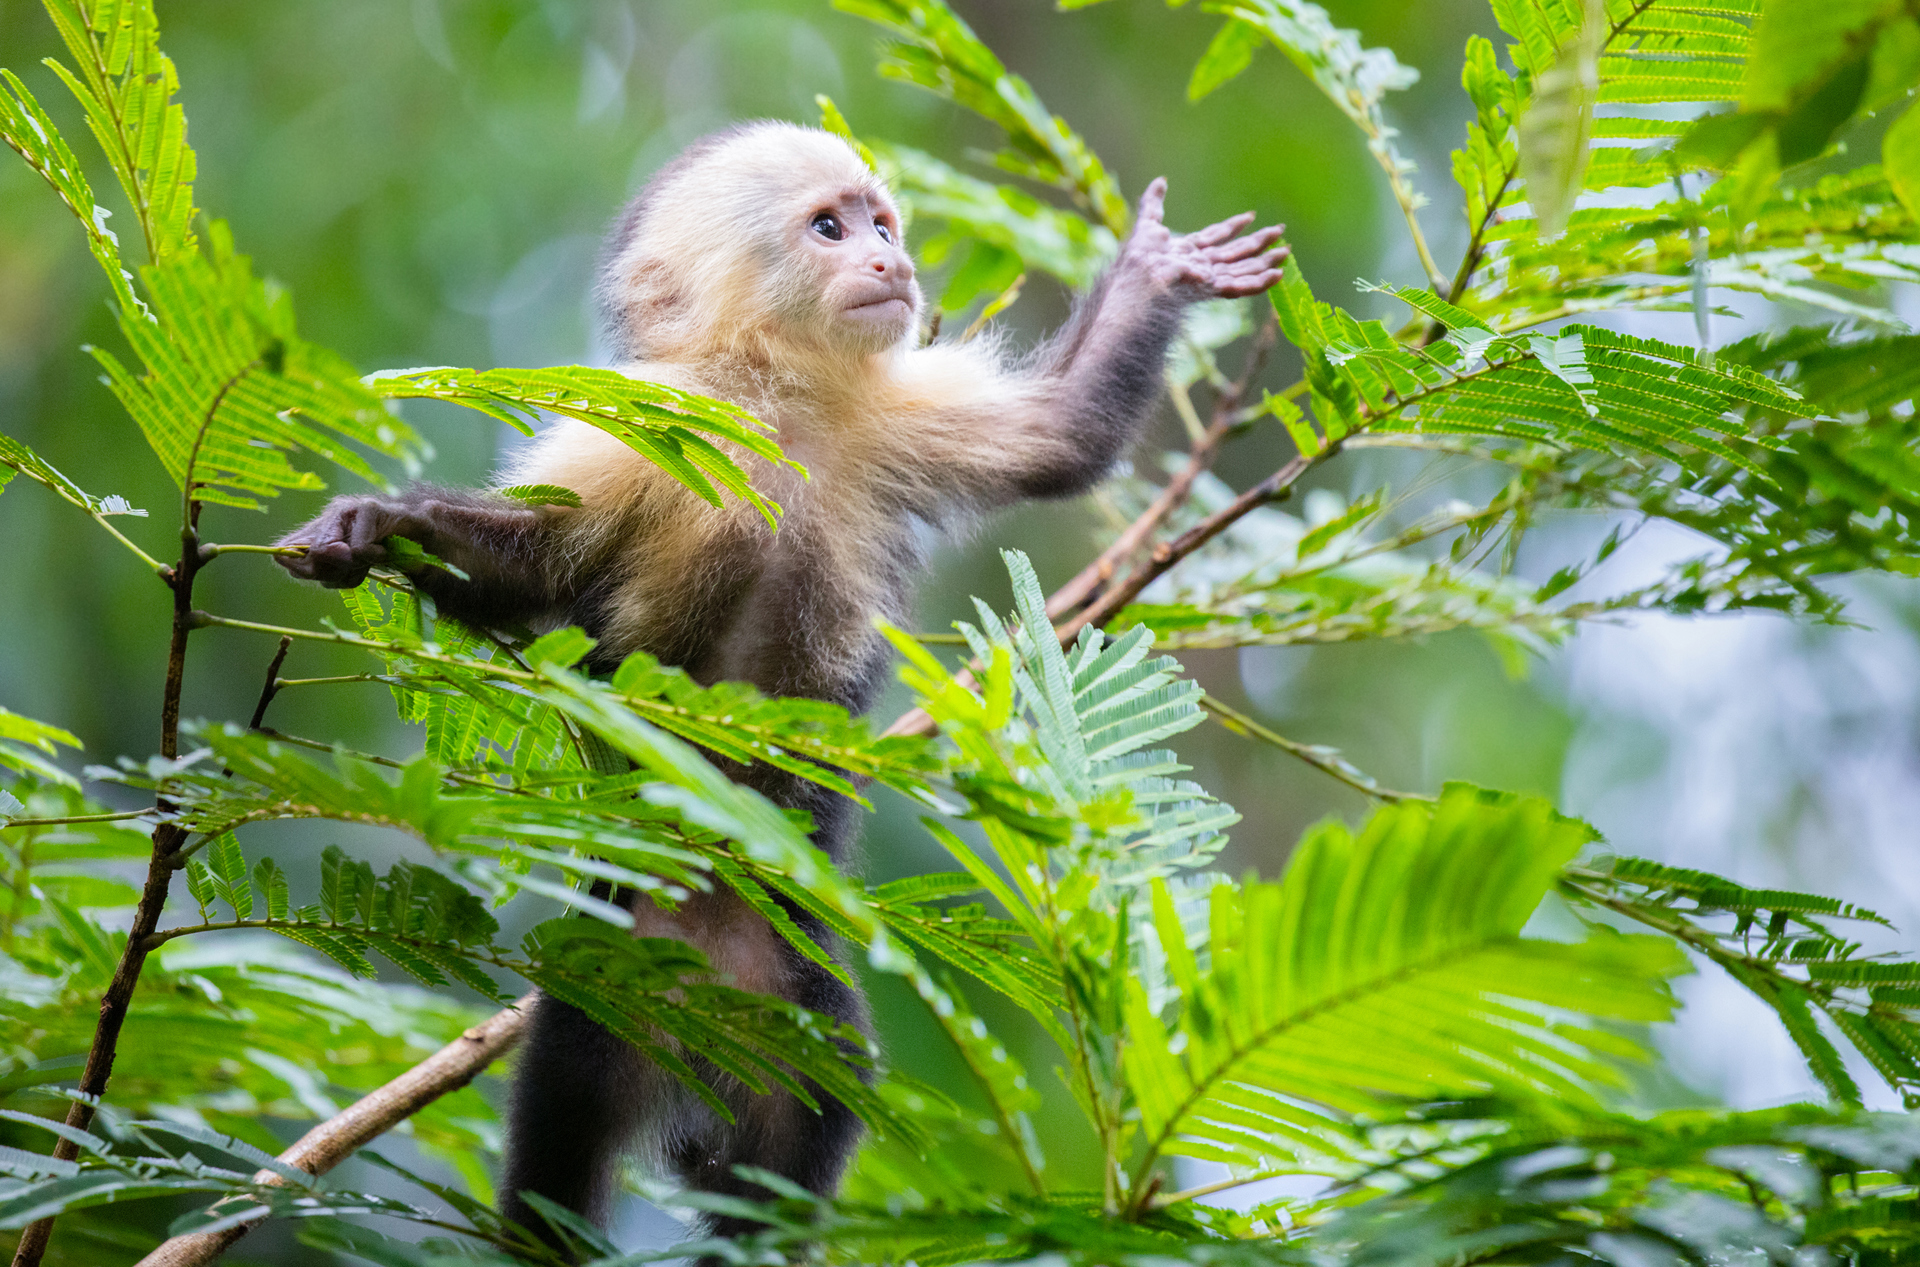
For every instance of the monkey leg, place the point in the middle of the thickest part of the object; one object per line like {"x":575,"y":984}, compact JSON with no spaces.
{"x":583,"y":1098}
{"x":775,"y":1131}
{"x":578,"y":1097}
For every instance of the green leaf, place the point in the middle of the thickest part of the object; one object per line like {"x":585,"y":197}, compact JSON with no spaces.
{"x":1900,"y":157}
{"x":542,"y":495}
{"x":1402,"y":949}
{"x":229,"y":388}
{"x":1799,"y":46}
{"x":1093,"y":714}
{"x":229,"y":875}
{"x":1558,"y":121}
{"x":125,"y":84}
{"x":1230,"y":53}
{"x":833,"y":121}
{"x":667,"y":426}
{"x":15,"y":456}
{"x":26,"y":127}
{"x":273,"y":883}
{"x":25,"y":745}
{"x":1717,"y":893}
{"x":936,"y":50}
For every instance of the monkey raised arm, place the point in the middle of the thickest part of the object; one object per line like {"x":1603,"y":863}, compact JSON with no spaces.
{"x":506,"y":549}
{"x":1056,"y":426}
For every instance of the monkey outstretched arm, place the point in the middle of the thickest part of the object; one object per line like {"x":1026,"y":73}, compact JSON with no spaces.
{"x":1055,"y":427}
{"x":509,"y":552}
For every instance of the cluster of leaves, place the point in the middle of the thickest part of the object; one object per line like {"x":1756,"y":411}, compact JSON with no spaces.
{"x":1193,"y":1013}
{"x":1471,"y":1112}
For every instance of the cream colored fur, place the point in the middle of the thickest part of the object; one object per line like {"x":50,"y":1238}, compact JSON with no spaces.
{"x":723,"y":305}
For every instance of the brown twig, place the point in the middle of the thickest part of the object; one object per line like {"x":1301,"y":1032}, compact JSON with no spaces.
{"x":161,"y":864}
{"x":272,"y":687}
{"x":1273,"y":488}
{"x":379,"y":1111}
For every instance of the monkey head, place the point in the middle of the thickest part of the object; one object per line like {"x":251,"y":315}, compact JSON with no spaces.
{"x":765,"y":234}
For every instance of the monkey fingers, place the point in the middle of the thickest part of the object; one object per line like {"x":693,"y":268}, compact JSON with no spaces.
{"x":1246,"y":275}
{"x":1153,"y":201}
{"x":345,"y":541}
{"x":1217,"y":233}
{"x":1252,"y":244}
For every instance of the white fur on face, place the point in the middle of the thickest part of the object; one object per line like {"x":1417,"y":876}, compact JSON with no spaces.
{"x":722,"y":262}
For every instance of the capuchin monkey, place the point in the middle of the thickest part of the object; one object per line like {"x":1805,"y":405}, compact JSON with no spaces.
{"x":765,"y":266}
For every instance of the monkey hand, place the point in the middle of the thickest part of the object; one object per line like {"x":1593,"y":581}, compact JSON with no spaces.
{"x":1217,"y":262}
{"x":348,"y":538}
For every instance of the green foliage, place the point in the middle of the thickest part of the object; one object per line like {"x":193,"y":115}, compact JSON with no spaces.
{"x":1780,"y":948}
{"x":25,"y":745}
{"x":1400,"y":947}
{"x":1091,"y":716}
{"x":936,"y":50}
{"x":663,"y":424}
{"x":1002,"y":221}
{"x":228,"y":387}
{"x":1434,"y":1010}
{"x":1274,"y":578}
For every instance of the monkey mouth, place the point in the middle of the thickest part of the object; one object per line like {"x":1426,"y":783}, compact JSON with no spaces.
{"x":885,"y":306}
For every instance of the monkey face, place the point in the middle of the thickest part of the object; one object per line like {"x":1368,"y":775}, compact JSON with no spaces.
{"x":766,"y":232}
{"x":850,"y":239}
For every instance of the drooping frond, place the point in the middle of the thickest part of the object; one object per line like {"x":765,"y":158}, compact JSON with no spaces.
{"x":1778,"y":945}
{"x":1385,"y":964}
{"x":1581,"y":386}
{"x":126,"y":85}
{"x":674,"y":430}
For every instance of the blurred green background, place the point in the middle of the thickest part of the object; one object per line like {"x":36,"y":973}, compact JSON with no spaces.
{"x":430,"y":179}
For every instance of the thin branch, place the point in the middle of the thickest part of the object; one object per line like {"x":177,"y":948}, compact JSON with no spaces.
{"x":1189,"y":417}
{"x":1476,"y":245}
{"x":1168,"y":553}
{"x":272,"y":686}
{"x":168,"y":837}
{"x":946,"y":1020}
{"x":1166,"y":1199}
{"x":337,"y":1138}
{"x":189,"y":505}
{"x":280,"y":736}
{"x":1409,"y":201}
{"x":9,"y":824}
{"x":1164,"y":557}
{"x":1321,"y":759}
{"x":490,"y":668}
{"x":283,"y":552}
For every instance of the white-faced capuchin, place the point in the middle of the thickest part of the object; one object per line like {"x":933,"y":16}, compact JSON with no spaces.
{"x":765,"y":266}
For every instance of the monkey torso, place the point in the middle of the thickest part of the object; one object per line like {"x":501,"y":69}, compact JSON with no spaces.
{"x":715,"y":590}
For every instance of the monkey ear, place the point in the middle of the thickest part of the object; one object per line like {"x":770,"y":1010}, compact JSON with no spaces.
{"x":1153,"y":203}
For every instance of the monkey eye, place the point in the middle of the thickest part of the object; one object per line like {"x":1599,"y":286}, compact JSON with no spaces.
{"x":827,"y":226}
{"x":886,"y":234}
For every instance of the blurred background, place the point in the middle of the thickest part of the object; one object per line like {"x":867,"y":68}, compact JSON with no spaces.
{"x":430,"y":179}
